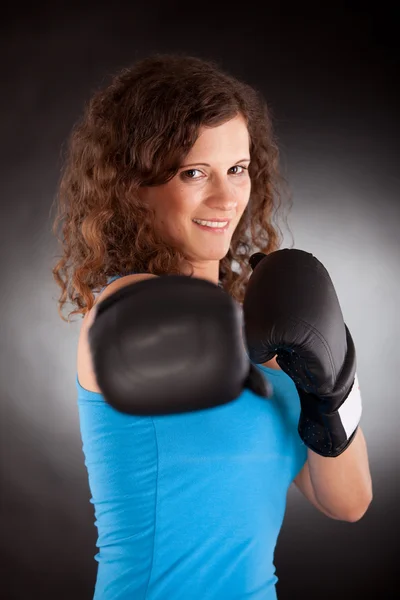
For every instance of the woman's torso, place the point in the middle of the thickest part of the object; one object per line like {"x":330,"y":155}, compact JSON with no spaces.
{"x":191,"y":505}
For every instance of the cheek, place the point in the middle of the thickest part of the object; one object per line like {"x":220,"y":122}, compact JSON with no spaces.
{"x":242,"y":210}
{"x":174,"y":221}
{"x":181,"y":201}
{"x":244,"y":202}
{"x":169,"y":211}
{"x":244,"y":192}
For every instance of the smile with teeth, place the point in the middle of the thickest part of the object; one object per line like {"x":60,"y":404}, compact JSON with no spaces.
{"x":212,"y":224}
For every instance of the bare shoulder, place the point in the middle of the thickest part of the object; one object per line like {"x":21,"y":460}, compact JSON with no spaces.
{"x":85,"y":371}
{"x":272,"y":364}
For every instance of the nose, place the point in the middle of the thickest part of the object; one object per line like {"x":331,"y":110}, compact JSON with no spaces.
{"x":222,"y":197}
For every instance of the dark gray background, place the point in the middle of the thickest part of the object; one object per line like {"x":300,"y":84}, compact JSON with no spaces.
{"x":331,"y":82}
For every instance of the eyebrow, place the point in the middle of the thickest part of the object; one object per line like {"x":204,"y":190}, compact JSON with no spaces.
{"x":207,"y":165}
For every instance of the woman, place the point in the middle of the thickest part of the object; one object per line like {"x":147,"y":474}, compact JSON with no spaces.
{"x":174,"y":170}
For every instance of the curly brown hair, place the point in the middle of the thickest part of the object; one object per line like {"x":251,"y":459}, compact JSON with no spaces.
{"x":136,"y":132}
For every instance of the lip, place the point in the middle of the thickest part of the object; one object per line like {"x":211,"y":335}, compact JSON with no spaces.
{"x":214,"y":230}
{"x":214,"y":220}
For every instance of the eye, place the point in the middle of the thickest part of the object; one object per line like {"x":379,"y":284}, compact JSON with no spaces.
{"x":186,"y":174}
{"x":244,"y":169}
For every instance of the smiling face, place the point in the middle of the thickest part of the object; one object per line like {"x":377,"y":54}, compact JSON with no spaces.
{"x":212,"y":185}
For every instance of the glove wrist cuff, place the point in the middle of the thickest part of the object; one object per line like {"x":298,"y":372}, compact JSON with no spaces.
{"x":351,"y":408}
{"x":329,"y":434}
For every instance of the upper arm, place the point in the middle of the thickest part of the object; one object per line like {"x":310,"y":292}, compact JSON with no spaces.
{"x":304,"y":484}
{"x":86,"y":376}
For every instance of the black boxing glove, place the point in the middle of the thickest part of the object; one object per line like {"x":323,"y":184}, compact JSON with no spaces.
{"x":171,"y":344}
{"x":291,"y":310}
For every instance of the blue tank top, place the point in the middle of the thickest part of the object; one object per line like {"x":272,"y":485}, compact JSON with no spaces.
{"x":190,"y":506}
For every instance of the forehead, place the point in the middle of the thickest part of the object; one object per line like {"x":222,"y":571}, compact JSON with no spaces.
{"x":230,"y":137}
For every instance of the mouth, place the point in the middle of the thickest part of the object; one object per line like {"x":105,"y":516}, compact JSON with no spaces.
{"x":213,"y":226}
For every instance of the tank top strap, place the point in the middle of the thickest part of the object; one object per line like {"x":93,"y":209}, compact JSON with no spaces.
{"x":111,"y":279}
{"x":114,"y":277}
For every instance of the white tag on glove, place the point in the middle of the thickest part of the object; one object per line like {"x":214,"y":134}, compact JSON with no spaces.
{"x":351,"y":409}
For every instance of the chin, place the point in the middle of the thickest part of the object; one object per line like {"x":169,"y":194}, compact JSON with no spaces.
{"x":204,"y":254}
{"x":211,"y":256}
{"x":211,"y":253}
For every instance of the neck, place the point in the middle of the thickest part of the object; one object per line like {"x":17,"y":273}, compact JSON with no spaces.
{"x":208,"y":271}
